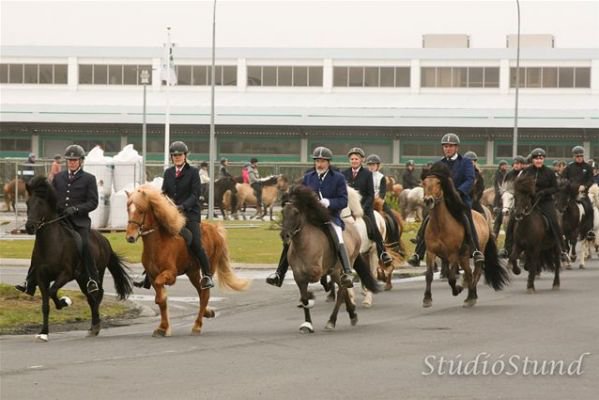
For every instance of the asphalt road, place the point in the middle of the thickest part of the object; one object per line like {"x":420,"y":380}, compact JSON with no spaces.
{"x":253,"y":348}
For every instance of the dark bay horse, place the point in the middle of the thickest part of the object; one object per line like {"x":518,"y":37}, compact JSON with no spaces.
{"x":154,"y":218}
{"x":57,"y":258}
{"x":444,"y":238}
{"x":532,"y":235}
{"x":311,"y":255}
{"x":222,"y":186}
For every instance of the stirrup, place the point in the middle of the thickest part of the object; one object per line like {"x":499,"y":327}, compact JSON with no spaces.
{"x":22,"y":287}
{"x":414,"y":260}
{"x":206,"y":282}
{"x":478,"y":257}
{"x":275,"y":279}
{"x":92,"y":286}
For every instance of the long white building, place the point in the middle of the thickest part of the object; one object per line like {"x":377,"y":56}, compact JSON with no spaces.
{"x":390,"y":76}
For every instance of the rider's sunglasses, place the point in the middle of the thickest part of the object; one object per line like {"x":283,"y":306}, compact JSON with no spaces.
{"x":538,"y":157}
{"x":579,"y":155}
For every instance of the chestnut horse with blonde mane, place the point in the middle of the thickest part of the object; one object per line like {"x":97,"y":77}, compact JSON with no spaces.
{"x":444,"y":237}
{"x":165,"y":256}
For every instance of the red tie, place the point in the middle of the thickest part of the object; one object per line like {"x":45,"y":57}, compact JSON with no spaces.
{"x":178,"y":174}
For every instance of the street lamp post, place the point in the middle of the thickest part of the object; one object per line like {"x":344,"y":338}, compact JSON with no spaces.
{"x":145,"y":80}
{"x":212,"y":144}
{"x":515,"y":143}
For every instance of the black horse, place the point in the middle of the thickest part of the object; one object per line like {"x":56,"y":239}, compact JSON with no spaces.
{"x":57,"y":256}
{"x":221,"y":186}
{"x":532,"y":236}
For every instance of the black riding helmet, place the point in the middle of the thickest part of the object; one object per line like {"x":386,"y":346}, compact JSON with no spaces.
{"x":538,"y":152}
{"x":471,"y":155}
{"x":577,"y":150}
{"x":373,"y":159}
{"x":74,"y":152}
{"x":450,"y":138}
{"x":178,"y":147}
{"x":356,"y":150}
{"x":322,"y":153}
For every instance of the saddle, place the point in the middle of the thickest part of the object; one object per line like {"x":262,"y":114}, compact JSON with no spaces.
{"x":370,"y":227}
{"x":75,"y":235}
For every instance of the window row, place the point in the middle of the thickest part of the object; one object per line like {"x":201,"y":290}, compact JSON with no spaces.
{"x":552,"y":77}
{"x":113,"y":74}
{"x":52,"y":74}
{"x":460,"y":77}
{"x":201,"y":75}
{"x":371,"y":76}
{"x":284,"y":75}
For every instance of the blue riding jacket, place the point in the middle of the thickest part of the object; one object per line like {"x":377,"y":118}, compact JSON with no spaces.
{"x":462,"y":173}
{"x":333,"y":187}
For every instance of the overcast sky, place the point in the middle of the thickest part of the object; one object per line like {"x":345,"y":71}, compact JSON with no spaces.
{"x":281,"y":23}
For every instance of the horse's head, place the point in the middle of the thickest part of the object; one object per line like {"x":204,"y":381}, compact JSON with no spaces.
{"x":566,"y":193}
{"x":524,"y":195}
{"x":282,"y":183}
{"x":507,"y":197}
{"x":41,"y":204}
{"x":433,"y":192}
{"x":292,"y":221}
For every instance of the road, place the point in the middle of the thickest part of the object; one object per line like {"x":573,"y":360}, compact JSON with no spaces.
{"x":253,"y":348}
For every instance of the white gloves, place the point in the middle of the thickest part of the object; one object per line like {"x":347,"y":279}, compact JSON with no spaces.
{"x":325,"y":202}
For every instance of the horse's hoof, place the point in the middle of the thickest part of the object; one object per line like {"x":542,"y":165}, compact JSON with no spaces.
{"x":469,"y":303}
{"x":196,"y":331}
{"x":530,"y":290}
{"x":209,"y":313}
{"x":310,"y":304}
{"x":354,"y":320}
{"x":306,"y":327}
{"x":329,"y":326}
{"x":555,"y":287}
{"x":42,"y":337}
{"x":388,"y":286}
{"x":367,"y":304}
{"x":426,"y":303}
{"x":65,"y":301}
{"x":94,"y":330}
{"x":581,"y":266}
{"x":161,"y":333}
{"x":516,"y":270}
{"x":330,"y":298}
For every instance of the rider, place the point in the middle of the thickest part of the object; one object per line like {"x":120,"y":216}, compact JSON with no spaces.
{"x":331,"y":188}
{"x":517,"y":170}
{"x":479,"y":183}
{"x":255,"y":182}
{"x":223,"y":173}
{"x":462,"y":173}
{"x":373,"y":162}
{"x":77,"y":196}
{"x":500,"y":179}
{"x":361,"y":180}
{"x":545,"y":186}
{"x":580,"y":173}
{"x":204,"y":181}
{"x":408,"y":178}
{"x":182,"y":184}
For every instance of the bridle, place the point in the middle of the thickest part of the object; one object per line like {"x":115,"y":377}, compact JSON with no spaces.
{"x":296,"y":229}
{"x":519,"y":216}
{"x":140,"y":227}
{"x":42,"y":222}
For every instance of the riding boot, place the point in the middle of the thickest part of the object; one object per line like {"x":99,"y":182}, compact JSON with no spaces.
{"x":206,"y":282}
{"x":497,"y":223}
{"x":380,"y":247}
{"x":420,"y":249}
{"x":347,"y":279}
{"x":277,"y":278}
{"x":468,"y":223}
{"x":92,"y":285}
{"x":28,"y":286}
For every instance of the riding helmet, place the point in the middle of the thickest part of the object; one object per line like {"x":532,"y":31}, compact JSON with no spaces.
{"x":178,"y":147}
{"x":538,"y":152}
{"x":223,"y":160}
{"x":576,"y":150}
{"x":450,"y":138}
{"x":410,"y":162}
{"x":356,"y":150}
{"x":519,"y":159}
{"x":322,"y":153}
{"x":471,"y":155}
{"x":254,"y":160}
{"x":373,"y":159}
{"x":502,"y":162}
{"x":74,"y":152}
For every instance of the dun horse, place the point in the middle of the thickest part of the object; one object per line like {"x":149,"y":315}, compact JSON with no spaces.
{"x":9,"y":193}
{"x":165,"y":255}
{"x":271,"y":188}
{"x":444,"y":237}
{"x":57,"y":256}
{"x":311,"y":255}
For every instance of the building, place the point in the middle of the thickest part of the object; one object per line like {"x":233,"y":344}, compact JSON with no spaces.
{"x":391,"y":77}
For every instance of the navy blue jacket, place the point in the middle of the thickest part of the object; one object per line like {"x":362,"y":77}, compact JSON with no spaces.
{"x":184,"y":191}
{"x":364,"y":184}
{"x":82,"y":193}
{"x":462,"y":173}
{"x":333,"y":188}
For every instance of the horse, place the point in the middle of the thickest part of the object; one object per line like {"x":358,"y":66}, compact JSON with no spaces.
{"x":411,"y":203}
{"x":444,"y":238}
{"x":312,"y":257}
{"x":271,"y":188}
{"x":488,"y":198}
{"x":594,"y":196}
{"x":532,"y":236}
{"x":222,"y":186}
{"x":57,"y":256}
{"x":9,"y":193}
{"x":155,"y":218}
{"x":574,"y":225}
{"x":354,"y":214}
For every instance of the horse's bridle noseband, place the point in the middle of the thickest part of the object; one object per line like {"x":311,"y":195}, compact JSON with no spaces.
{"x":526,"y":212}
{"x":140,"y":227}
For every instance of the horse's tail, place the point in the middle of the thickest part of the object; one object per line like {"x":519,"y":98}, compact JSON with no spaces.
{"x":222,"y":265}
{"x":495,"y":274}
{"x":120,"y":275}
{"x":363,"y":270}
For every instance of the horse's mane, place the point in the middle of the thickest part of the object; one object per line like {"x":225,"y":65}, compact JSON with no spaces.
{"x":305,"y":200}
{"x":353,"y":202}
{"x":40,"y":187}
{"x":453,"y":201}
{"x":525,"y":185}
{"x":147,"y":198}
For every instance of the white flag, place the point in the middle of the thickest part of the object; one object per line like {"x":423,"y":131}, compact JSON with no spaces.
{"x":168,"y":75}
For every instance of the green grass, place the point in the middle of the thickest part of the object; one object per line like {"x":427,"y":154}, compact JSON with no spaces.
{"x":22,"y":313}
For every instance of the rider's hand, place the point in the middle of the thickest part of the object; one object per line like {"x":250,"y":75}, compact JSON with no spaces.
{"x":325,"y":202}
{"x":69,"y":211}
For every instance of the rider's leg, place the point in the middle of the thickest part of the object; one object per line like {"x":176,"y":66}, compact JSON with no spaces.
{"x":395,"y":230}
{"x":497,"y":223}
{"x":337,"y":236}
{"x":29,"y":285}
{"x":377,"y":238}
{"x":198,"y":251}
{"x":418,"y":255}
{"x":89,"y":261}
{"x":257,"y":186}
{"x":276,"y":279}
{"x":471,"y":234}
{"x":509,"y":239}
{"x":588,"y":210}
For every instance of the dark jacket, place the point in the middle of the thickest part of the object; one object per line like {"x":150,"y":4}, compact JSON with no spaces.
{"x":409,"y":179}
{"x":500,"y":178}
{"x":579,"y":174}
{"x":333,"y":187}
{"x":82,"y":193}
{"x":364,"y":184}
{"x":462,"y":173}
{"x":223,"y":173}
{"x":512,"y":175}
{"x":184,"y":190}
{"x":545,"y":182}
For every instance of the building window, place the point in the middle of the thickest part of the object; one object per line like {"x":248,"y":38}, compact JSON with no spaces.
{"x":249,"y":147}
{"x":345,"y":76}
{"x":552,"y":77}
{"x":460,"y":77}
{"x":201,"y":75}
{"x":33,"y":74}
{"x":296,"y":76}
{"x":15,"y":144}
{"x":104,"y":74}
{"x":554,"y":150}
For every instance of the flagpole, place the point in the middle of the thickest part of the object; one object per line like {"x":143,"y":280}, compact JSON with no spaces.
{"x":212,"y":143}
{"x":167,"y":117}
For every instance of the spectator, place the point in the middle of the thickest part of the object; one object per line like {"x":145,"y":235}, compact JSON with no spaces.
{"x":55,"y":168}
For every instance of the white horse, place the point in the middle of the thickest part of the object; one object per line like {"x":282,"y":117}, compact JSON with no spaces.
{"x":353,"y":214}
{"x":411,"y":203}
{"x":594,"y":197}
